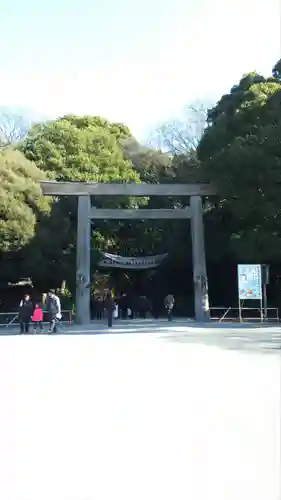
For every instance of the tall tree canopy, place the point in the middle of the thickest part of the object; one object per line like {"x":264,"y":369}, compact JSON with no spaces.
{"x":22,"y":208}
{"x":21,"y":200}
{"x":240,"y":152}
{"x":75,"y":148}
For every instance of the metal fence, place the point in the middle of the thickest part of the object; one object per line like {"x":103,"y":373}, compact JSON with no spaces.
{"x":11,"y":318}
{"x":247,"y":313}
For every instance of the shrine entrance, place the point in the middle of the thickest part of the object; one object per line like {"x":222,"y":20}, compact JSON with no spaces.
{"x":193,"y":211}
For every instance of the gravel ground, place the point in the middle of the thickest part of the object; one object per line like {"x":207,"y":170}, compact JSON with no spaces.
{"x":149,"y":411}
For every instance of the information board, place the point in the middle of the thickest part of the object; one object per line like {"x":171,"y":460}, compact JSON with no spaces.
{"x":249,"y":281}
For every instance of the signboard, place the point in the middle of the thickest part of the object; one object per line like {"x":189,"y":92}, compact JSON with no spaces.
{"x":117,"y":261}
{"x":249,"y":281}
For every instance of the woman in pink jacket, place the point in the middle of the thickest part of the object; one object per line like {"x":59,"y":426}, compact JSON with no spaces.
{"x":37,"y":318}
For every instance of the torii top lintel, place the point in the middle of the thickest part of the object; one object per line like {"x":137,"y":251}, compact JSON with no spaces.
{"x":54,"y":188}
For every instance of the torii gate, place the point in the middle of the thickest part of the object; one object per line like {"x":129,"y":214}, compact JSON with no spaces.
{"x":194,"y":211}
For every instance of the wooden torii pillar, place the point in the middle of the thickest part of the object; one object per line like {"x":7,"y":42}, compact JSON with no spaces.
{"x":83,"y":261}
{"x":84,"y":191}
{"x":200,"y":279}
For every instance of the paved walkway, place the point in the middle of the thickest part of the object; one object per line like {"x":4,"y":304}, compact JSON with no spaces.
{"x":229,"y":335}
{"x":170,"y":412}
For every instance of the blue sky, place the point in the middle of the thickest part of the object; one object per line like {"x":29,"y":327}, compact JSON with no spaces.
{"x":134,"y":62}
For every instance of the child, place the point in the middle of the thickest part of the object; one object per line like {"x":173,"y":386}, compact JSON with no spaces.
{"x":37,"y":317}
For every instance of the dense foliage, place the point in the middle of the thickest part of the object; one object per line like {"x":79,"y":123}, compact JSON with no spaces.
{"x":240,"y":151}
{"x":22,"y":208}
{"x":79,"y":149}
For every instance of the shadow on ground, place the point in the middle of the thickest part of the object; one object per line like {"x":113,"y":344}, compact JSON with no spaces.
{"x":246,"y":337}
{"x":249,"y":339}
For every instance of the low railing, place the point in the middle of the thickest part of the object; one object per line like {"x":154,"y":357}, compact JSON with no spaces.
{"x":11,"y":318}
{"x":247,"y":314}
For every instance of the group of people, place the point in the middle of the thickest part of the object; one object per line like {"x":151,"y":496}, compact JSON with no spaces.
{"x":126,"y":307}
{"x":31,"y":312}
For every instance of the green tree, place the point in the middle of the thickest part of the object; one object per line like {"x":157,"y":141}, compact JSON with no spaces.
{"x":22,"y":208}
{"x":152,"y":165}
{"x":79,"y":149}
{"x":75,"y":148}
{"x":241,"y":154}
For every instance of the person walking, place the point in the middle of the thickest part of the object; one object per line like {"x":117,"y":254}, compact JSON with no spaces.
{"x":110,"y":306}
{"x":144,"y":306}
{"x":115,"y":313}
{"x":25,"y":313}
{"x":123,"y":304}
{"x":169,"y":304}
{"x":99,"y":308}
{"x":37,"y":317}
{"x":53,"y":307}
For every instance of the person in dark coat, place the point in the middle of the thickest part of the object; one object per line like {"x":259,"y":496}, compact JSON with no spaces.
{"x":123,"y":304}
{"x":109,"y":305}
{"x":25,"y":313}
{"x":144,"y":306}
{"x":99,"y":308}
